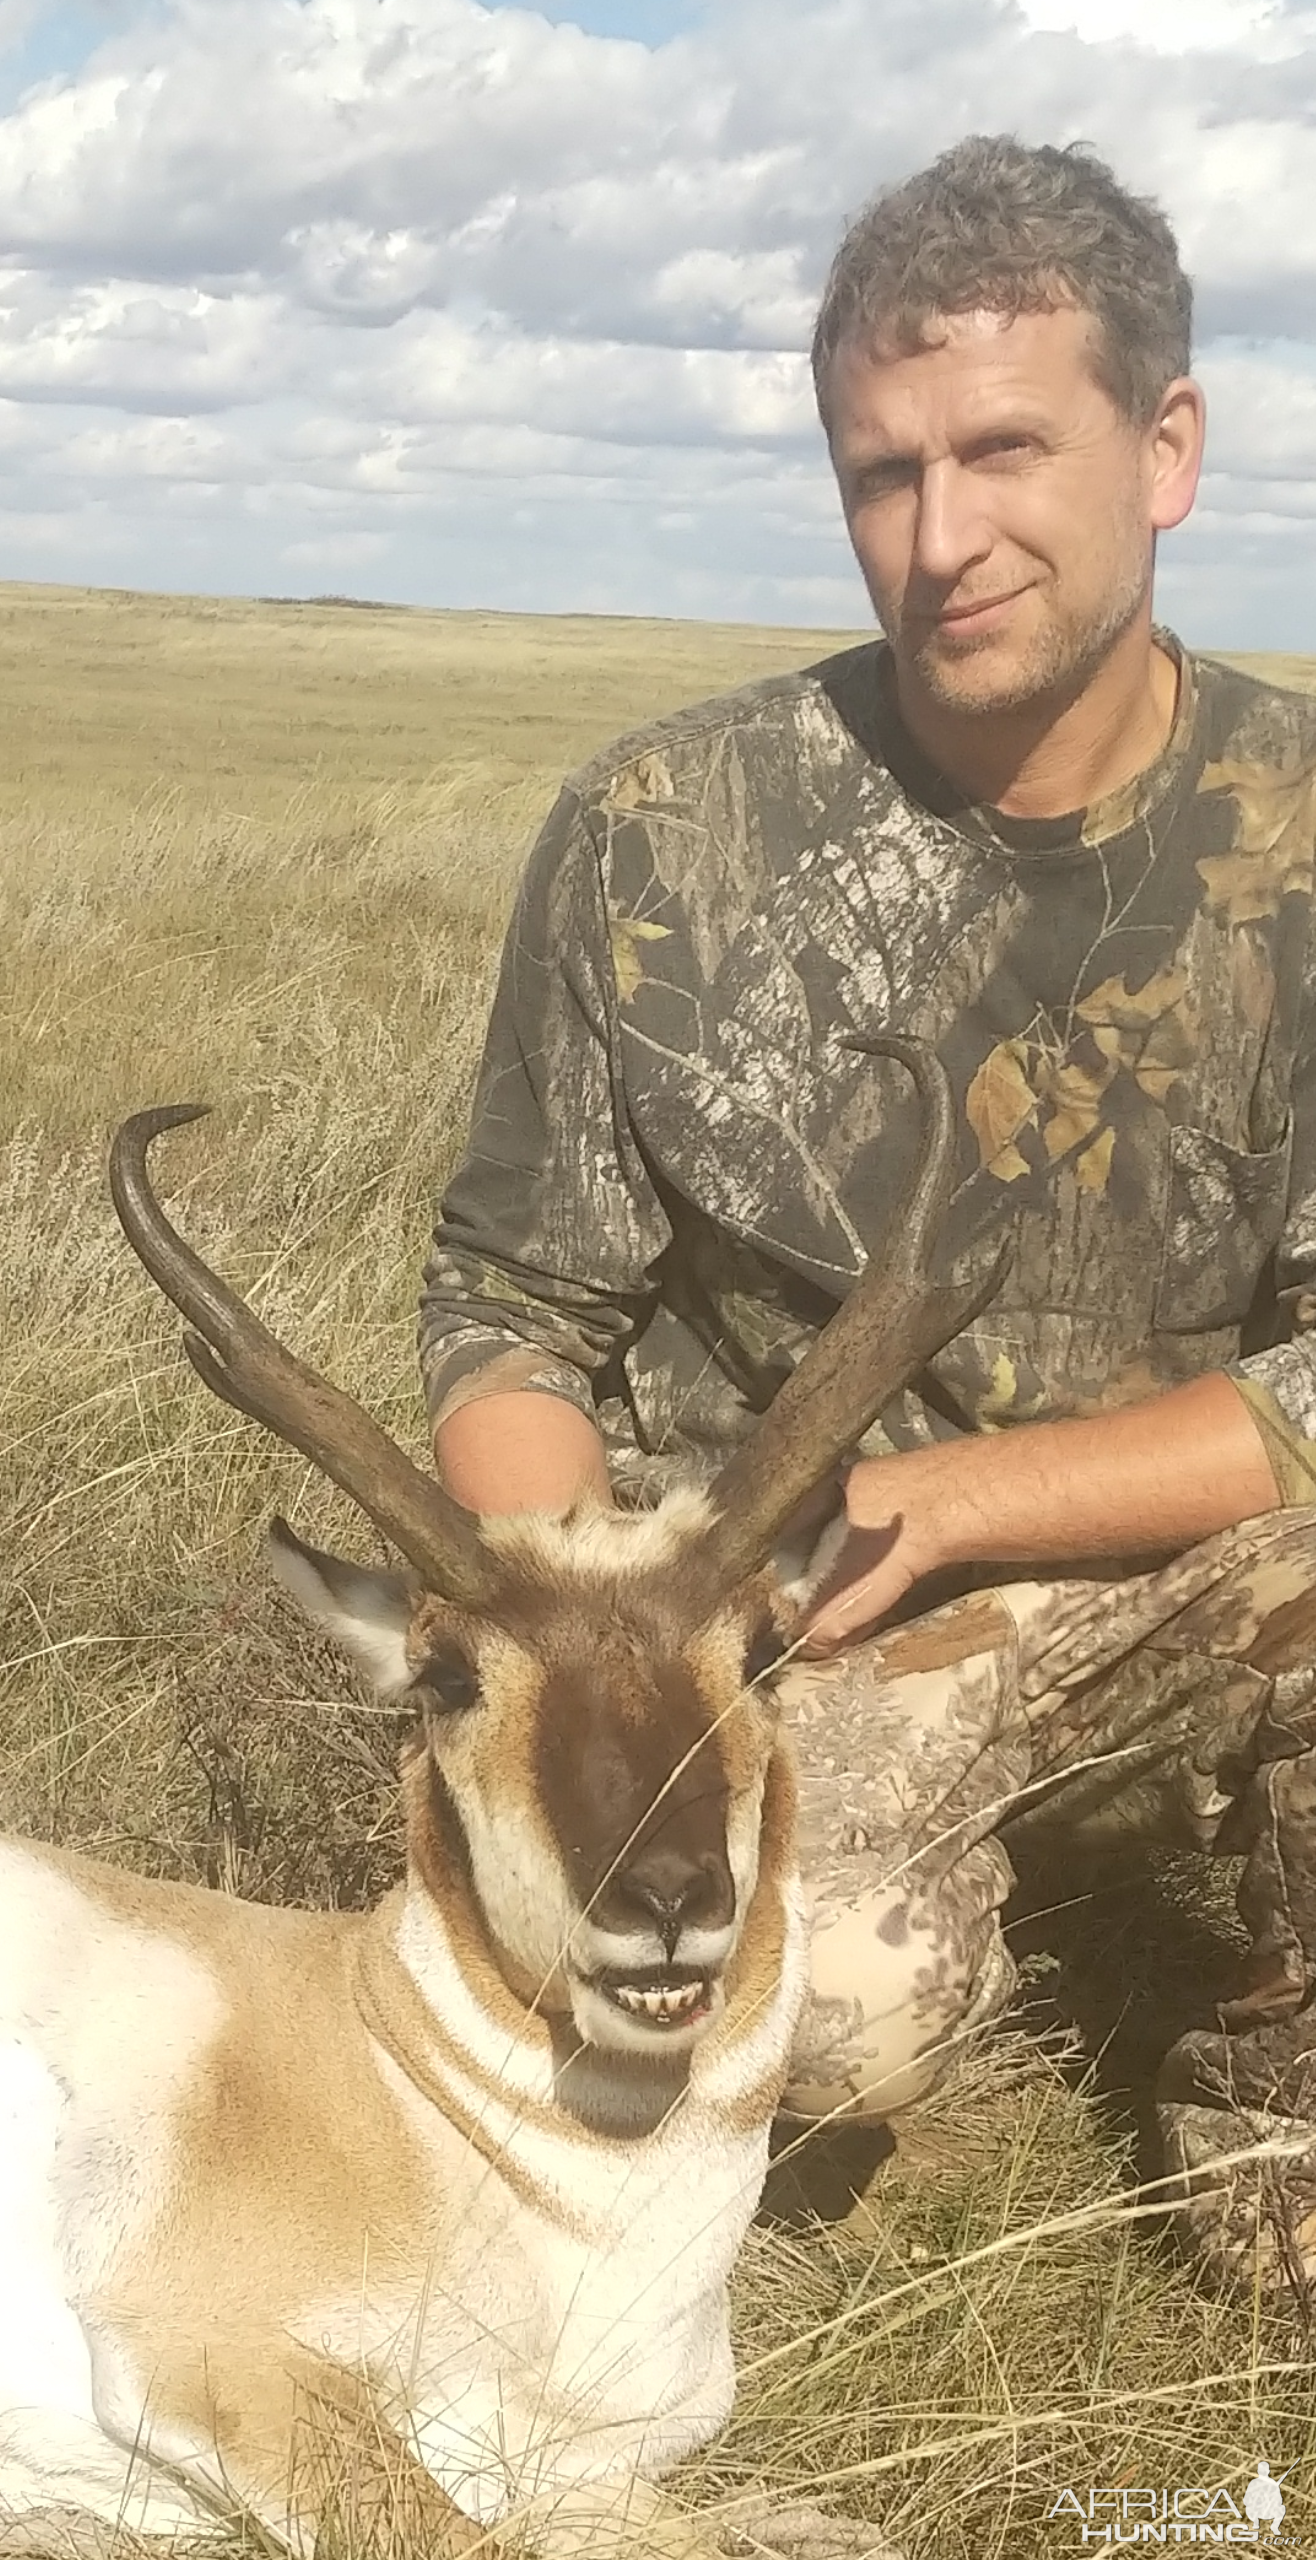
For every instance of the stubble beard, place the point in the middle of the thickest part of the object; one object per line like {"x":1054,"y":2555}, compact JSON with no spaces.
{"x":1061,"y":661}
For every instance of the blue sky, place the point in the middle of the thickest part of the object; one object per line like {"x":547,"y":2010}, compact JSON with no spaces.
{"x":649,"y":22}
{"x":458,"y":305}
{"x":59,"y":44}
{"x":60,"y":40}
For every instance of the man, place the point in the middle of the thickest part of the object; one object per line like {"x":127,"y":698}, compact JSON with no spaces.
{"x":1025,"y":826}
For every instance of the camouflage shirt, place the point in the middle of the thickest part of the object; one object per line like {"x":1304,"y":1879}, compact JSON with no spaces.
{"x":681,"y":1155}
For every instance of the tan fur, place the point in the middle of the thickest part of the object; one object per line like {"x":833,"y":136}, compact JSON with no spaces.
{"x":345,"y":2129}
{"x":471,"y":2171}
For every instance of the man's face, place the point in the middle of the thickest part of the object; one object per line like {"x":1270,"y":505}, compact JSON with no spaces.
{"x":1001,"y":508}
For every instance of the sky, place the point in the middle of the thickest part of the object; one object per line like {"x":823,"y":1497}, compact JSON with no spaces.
{"x":503,"y":306}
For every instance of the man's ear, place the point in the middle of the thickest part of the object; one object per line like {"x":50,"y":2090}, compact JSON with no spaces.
{"x":1177,"y":440}
{"x":367,"y":1613}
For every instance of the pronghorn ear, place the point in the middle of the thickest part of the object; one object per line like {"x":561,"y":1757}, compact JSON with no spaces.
{"x":803,"y":1565}
{"x":367,"y":1613}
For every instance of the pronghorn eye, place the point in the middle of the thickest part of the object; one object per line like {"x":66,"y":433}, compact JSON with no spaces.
{"x":448,"y":1679}
{"x":763,"y":1652}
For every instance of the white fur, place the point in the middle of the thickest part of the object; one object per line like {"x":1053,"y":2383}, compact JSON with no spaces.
{"x":523,"y":2069}
{"x":604,"y":2346}
{"x":577,"y":1546}
{"x":565,"y":2321}
{"x":802,"y":1565}
{"x":720,"y":2075}
{"x":99,"y":2028}
{"x":373,"y":1630}
{"x":582,"y":2343}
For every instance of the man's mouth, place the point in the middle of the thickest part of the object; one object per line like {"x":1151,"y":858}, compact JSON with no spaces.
{"x":676,"y":1998}
{"x":973,"y":616}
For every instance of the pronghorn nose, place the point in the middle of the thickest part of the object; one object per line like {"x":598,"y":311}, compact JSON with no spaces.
{"x":673,"y":1889}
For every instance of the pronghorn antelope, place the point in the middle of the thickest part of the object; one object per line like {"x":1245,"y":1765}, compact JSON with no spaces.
{"x":470,"y":2170}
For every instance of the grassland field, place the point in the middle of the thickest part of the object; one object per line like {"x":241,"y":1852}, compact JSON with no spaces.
{"x":260,"y":855}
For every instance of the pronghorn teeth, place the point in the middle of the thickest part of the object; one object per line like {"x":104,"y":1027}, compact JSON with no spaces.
{"x":672,"y":2001}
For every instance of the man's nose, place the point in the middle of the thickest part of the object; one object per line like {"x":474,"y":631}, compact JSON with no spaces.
{"x":952,"y":531}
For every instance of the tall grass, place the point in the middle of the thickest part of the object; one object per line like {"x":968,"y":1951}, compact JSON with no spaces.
{"x":260,"y":856}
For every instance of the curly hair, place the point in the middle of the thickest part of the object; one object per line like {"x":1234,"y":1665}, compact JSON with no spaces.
{"x":994,"y":225}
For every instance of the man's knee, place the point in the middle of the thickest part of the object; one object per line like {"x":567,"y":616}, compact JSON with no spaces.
{"x":898,"y":1981}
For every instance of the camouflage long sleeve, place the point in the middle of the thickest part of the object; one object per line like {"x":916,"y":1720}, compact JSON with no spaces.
{"x":1285,"y":1375}
{"x":542,"y":1260}
{"x":684,"y":1148}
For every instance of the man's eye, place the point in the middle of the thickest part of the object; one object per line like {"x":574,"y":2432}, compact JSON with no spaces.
{"x":1005,"y":448}
{"x":446,"y":1681}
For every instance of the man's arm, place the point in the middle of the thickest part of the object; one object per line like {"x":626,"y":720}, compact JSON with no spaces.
{"x":1149,"y":1480}
{"x":542,"y":1265}
{"x":521,"y":1453}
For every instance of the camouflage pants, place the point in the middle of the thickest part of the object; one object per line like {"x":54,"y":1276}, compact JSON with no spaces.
{"x":1177,"y":1705}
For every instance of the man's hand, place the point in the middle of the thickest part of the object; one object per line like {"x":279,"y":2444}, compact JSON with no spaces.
{"x":1147,"y":1480}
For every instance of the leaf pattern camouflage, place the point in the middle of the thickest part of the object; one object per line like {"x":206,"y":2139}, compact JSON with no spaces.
{"x":1176,"y":1706}
{"x":680,"y":1158}
{"x":681,"y":1155}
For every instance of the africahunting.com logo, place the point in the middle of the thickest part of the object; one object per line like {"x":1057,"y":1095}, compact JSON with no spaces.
{"x":1257,"y":2514}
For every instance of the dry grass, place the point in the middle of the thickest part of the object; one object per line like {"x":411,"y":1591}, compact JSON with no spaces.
{"x":259,"y":855}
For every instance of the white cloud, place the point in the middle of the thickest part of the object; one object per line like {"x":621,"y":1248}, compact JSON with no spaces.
{"x":510,"y":313}
{"x":1163,"y":26}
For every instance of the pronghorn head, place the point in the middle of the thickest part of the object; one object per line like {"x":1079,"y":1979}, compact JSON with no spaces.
{"x":594,"y":1745}
{"x":597,"y":1751}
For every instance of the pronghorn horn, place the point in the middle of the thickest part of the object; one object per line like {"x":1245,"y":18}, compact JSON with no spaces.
{"x":890,"y":1324}
{"x":244,"y":1364}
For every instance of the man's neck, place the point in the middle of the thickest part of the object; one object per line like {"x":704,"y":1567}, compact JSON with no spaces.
{"x":1047,"y":759}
